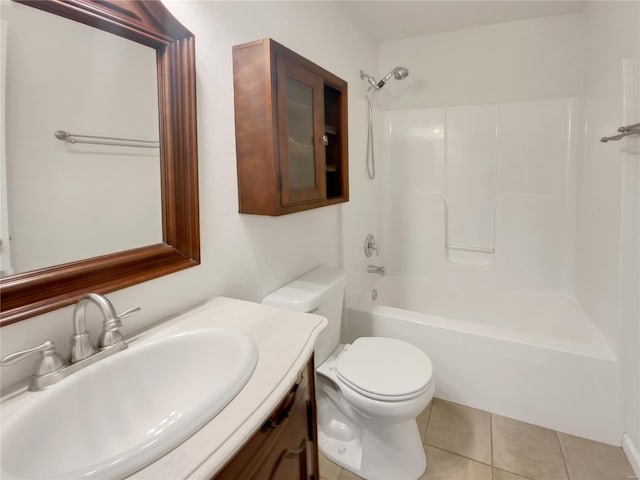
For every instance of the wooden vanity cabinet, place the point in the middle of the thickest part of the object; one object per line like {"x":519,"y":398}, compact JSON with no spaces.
{"x":291,"y":131}
{"x":285,"y":446}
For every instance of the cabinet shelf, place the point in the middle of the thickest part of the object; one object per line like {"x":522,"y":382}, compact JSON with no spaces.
{"x":277,"y":176}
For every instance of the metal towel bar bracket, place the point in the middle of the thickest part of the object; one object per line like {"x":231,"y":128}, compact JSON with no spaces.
{"x":96,"y":140}
{"x":625,"y":131}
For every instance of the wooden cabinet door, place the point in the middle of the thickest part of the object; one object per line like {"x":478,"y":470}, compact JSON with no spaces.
{"x":289,"y":456}
{"x":285,"y":447}
{"x":300,"y":99}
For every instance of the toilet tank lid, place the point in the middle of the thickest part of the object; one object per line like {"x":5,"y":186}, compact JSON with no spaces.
{"x":307,"y":292}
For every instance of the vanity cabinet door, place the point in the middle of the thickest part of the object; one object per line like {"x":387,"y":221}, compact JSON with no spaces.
{"x":285,"y":447}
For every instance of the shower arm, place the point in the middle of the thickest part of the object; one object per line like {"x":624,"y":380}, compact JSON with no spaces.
{"x":370,"y":80}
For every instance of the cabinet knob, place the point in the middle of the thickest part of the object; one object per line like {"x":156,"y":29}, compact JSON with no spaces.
{"x":325,"y":140}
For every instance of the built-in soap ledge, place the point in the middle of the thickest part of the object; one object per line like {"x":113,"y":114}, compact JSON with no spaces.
{"x":470,"y":254}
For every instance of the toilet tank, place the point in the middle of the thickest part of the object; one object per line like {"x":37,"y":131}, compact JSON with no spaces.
{"x":320,"y":291}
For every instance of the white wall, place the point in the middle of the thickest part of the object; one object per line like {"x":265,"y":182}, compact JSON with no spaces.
{"x":608,"y":241}
{"x":507,"y":62}
{"x":243,"y":256}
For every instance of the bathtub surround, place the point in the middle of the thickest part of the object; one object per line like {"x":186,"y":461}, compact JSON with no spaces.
{"x":490,"y":185}
{"x":560,"y":209}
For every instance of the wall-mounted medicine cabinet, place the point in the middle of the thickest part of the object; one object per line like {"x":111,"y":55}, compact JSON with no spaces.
{"x":291,"y":131}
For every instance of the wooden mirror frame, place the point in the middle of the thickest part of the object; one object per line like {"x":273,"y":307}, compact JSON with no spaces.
{"x":147,"y":22}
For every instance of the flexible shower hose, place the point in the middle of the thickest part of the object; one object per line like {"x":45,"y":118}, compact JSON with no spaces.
{"x":371,"y":159}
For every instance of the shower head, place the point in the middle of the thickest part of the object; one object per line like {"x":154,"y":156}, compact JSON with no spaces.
{"x":399,"y":73}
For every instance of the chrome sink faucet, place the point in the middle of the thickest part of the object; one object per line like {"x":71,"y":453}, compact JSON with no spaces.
{"x":52,"y":367}
{"x":81,"y":346}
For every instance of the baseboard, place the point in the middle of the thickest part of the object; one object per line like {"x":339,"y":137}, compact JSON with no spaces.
{"x":632,"y":452}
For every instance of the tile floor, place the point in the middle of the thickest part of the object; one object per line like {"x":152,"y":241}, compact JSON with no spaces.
{"x":463,"y":443}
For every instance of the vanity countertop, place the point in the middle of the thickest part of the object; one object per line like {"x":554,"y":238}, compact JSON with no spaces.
{"x":285,"y":341}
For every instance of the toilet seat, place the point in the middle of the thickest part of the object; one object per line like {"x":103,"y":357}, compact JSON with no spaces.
{"x":384,"y":369}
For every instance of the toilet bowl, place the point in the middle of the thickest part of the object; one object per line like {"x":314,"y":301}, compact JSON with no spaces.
{"x":368,"y":393}
{"x":367,"y":421}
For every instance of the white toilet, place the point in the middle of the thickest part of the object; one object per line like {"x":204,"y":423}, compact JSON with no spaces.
{"x":369,"y":393}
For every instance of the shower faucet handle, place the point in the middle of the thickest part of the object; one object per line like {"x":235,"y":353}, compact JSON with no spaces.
{"x":370,"y":246}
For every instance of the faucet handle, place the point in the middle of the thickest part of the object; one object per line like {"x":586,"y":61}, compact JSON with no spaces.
{"x":50,"y":362}
{"x":111,"y":333}
{"x":128,"y":313}
{"x":370,"y":246}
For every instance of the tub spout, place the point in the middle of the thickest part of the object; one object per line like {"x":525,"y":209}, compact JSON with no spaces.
{"x":375,"y":269}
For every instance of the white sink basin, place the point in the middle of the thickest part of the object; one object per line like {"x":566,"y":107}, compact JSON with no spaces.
{"x":122,"y":413}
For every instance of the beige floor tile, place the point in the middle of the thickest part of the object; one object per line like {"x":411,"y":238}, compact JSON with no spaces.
{"x":503,"y":475}
{"x":588,"y":460}
{"x":423,"y":420}
{"x":347,"y":475}
{"x":459,"y":429}
{"x":443,"y":465}
{"x":328,"y":469}
{"x":527,"y":449}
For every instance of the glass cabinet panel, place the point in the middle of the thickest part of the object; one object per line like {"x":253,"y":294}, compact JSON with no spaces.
{"x":301,"y":127}
{"x":301,"y":136}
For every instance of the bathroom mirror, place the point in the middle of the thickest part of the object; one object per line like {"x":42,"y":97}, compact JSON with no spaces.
{"x":96,"y":83}
{"x":149,"y":24}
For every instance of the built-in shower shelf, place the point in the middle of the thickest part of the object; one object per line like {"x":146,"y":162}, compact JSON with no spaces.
{"x":470,"y":254}
{"x":471,"y":248}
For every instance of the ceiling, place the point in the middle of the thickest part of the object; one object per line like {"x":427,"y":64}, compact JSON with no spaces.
{"x":393,"y":20}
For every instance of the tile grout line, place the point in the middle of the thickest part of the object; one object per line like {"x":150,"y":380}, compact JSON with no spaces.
{"x":492,"y":460}
{"x":458,"y":455}
{"x":491,"y":440}
{"x":564,"y":460}
{"x":426,"y":428}
{"x":478,"y":461}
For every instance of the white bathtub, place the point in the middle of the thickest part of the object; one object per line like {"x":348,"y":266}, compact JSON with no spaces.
{"x":534,"y":357}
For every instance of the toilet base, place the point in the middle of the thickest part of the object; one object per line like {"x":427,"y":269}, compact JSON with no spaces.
{"x":372,"y":451}
{"x":398,"y":456}
{"x":347,"y":454}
